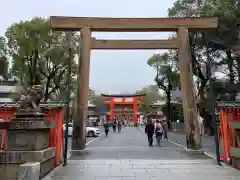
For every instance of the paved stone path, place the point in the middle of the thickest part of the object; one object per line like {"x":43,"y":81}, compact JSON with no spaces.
{"x":126,"y":156}
{"x":132,"y":143}
{"x":208,"y":143}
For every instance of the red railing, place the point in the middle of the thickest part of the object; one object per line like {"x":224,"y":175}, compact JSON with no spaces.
{"x":56,"y":138}
{"x":227,"y":134}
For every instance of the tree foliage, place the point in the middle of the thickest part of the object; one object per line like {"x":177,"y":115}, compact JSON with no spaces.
{"x":152,"y":95}
{"x":3,"y":47}
{"x":216,"y":46}
{"x":167,"y":76}
{"x":40,"y":56}
{"x":98,"y":101}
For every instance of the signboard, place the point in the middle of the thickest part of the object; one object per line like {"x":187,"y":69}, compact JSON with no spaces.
{"x":118,"y":99}
{"x":129,"y":100}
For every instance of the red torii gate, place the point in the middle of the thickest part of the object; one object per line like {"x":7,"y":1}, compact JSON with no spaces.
{"x":124,"y":99}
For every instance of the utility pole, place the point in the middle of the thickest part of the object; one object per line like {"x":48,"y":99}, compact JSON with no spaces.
{"x":213,"y":106}
{"x":68,"y":97}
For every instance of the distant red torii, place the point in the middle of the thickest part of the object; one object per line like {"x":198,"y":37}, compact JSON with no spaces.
{"x":124,"y":99}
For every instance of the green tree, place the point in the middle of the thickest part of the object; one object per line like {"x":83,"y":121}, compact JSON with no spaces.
{"x":41,"y":56}
{"x":98,"y":101}
{"x":3,"y":47}
{"x":167,"y":76}
{"x":216,"y":46}
{"x":152,"y":95}
{"x":3,"y":58}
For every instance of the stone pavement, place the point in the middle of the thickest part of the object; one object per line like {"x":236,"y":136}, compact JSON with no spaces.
{"x":126,"y":156}
{"x":132,"y":143}
{"x":144,"y":170}
{"x":208,"y":143}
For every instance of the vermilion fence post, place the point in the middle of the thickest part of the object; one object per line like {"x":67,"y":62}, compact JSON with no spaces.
{"x":228,"y":134}
{"x":6,"y":113}
{"x":59,"y":135}
{"x":56,"y":134}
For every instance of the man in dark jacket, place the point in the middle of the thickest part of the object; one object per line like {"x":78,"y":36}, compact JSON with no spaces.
{"x":106,"y":128}
{"x":149,"y":130}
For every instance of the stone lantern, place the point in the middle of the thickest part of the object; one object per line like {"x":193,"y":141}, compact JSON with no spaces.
{"x":27,"y":153}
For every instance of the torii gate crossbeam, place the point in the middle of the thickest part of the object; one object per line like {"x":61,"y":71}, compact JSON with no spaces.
{"x":180,"y":25}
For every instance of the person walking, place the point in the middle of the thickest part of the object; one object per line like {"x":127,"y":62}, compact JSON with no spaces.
{"x":149,"y":130}
{"x":158,"y":131}
{"x":162,"y":120}
{"x":106,"y":128}
{"x":164,"y":131}
{"x":114,"y":126}
{"x":119,"y":125}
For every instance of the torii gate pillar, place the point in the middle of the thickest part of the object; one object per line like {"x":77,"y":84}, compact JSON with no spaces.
{"x":188,"y":92}
{"x":80,"y":119}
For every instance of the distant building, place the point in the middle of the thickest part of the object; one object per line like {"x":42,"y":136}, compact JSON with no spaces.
{"x":92,"y":115}
{"x":7,"y":87}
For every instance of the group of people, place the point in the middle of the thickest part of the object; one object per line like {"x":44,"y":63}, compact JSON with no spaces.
{"x":116,"y":125}
{"x":156,"y":128}
{"x":151,"y":128}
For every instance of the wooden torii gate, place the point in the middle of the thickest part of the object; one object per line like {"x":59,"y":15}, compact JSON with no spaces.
{"x":180,"y":25}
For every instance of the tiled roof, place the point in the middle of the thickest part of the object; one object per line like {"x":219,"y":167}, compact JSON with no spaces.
{"x":44,"y":105}
{"x":123,"y":95}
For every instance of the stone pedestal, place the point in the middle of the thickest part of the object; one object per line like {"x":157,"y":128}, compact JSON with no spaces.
{"x":27,"y":141}
{"x":28,"y":135}
{"x":236,"y":162}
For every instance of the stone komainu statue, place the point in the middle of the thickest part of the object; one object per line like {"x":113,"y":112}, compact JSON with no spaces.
{"x":33,"y":98}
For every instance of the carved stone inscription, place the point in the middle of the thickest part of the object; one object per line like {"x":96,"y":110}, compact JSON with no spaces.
{"x":31,"y":125}
{"x":22,"y":125}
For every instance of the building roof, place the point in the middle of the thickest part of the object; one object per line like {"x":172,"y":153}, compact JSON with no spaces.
{"x":158,"y":103}
{"x":162,"y":103}
{"x":160,"y":113}
{"x":9,"y":79}
{"x":42,"y":104}
{"x":123,"y":95}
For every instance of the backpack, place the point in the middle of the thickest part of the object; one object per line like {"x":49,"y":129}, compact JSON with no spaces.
{"x":158,"y":128}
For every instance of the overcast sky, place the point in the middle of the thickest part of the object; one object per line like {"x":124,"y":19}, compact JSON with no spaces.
{"x":111,"y":71}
